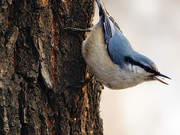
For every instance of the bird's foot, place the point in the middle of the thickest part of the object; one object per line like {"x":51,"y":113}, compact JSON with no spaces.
{"x":83,"y":83}
{"x":78,"y":29}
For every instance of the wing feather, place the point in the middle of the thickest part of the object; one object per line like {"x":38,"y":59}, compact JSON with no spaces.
{"x":116,"y":43}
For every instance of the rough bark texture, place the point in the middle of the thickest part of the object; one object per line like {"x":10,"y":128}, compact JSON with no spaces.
{"x":40,"y":65}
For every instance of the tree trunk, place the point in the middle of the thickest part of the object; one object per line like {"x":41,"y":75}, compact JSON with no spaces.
{"x":40,"y":67}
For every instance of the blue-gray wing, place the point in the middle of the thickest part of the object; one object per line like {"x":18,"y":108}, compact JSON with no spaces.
{"x":117,"y":44}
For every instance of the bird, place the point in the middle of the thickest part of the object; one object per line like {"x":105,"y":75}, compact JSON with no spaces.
{"x":111,"y":58}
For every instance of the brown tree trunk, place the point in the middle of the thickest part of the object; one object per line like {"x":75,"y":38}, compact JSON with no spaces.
{"x":40,"y":65}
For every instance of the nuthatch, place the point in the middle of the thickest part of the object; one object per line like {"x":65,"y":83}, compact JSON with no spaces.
{"x":111,"y":58}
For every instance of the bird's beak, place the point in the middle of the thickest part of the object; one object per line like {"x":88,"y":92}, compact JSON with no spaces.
{"x":160,"y":76}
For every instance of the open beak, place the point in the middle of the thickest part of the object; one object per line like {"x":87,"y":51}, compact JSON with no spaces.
{"x":160,"y":76}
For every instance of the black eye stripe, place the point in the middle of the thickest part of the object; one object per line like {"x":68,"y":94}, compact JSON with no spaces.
{"x":146,"y":68}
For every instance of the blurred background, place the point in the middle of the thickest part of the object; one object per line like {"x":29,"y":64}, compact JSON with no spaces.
{"x":152,"y":108}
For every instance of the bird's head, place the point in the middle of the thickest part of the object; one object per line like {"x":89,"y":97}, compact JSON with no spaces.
{"x":146,"y":68}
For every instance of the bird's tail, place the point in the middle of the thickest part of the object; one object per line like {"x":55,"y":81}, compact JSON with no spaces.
{"x":101,"y":10}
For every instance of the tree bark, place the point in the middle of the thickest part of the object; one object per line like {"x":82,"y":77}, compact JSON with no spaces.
{"x":40,"y":67}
